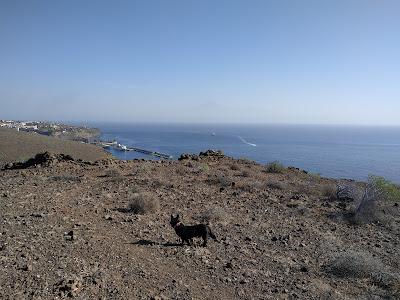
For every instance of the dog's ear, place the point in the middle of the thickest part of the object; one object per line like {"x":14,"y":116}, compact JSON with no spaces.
{"x":172,"y":216}
{"x":177,"y":216}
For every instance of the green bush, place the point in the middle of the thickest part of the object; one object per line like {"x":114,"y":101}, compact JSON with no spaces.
{"x":378,"y":192}
{"x":389,"y":190}
{"x":275,"y":167}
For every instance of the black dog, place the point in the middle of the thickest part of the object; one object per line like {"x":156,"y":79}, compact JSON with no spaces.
{"x":187,"y":233}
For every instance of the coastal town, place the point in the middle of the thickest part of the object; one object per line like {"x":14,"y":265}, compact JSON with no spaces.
{"x":64,"y":131}
{"x":75,"y":133}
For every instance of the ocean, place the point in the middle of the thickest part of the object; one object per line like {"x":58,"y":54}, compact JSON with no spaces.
{"x":331,"y":151}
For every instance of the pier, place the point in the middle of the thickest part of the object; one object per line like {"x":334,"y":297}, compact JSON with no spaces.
{"x":117,"y":146}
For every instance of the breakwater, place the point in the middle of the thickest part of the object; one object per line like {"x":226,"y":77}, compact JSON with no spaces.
{"x":117,"y":146}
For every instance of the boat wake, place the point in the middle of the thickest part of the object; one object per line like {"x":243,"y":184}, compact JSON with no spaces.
{"x":246,"y":142}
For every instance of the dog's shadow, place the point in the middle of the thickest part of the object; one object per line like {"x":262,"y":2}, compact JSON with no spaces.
{"x":124,"y":210}
{"x":143,"y":242}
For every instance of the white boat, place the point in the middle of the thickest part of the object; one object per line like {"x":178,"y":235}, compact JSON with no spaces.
{"x":121,"y":147}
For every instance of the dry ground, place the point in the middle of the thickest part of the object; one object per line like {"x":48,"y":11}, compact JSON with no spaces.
{"x":67,"y":231}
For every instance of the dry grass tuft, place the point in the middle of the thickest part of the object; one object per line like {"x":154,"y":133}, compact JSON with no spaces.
{"x":214,"y":215}
{"x":235,"y":167}
{"x":361,"y":265}
{"x":276,"y":185}
{"x":66,"y":177}
{"x":114,"y":175}
{"x":246,"y":173}
{"x":112,"y":172}
{"x":220,"y":179}
{"x":329,"y":191}
{"x":306,"y":189}
{"x":143,"y":203}
{"x":250,"y":187}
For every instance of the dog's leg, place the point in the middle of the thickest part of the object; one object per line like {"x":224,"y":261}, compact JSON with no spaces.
{"x":204,"y":240}
{"x":183,"y":242}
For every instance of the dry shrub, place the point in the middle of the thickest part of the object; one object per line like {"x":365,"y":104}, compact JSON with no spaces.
{"x":143,"y":203}
{"x":114,"y":175}
{"x":361,"y":265}
{"x":249,"y":186}
{"x":133,"y":189}
{"x":66,"y":177}
{"x":189,"y":164}
{"x":306,"y":189}
{"x":330,"y":191}
{"x":246,"y":173}
{"x":158,"y":183}
{"x":143,"y":169}
{"x":276,"y":185}
{"x":378,"y":193}
{"x":181,"y":170}
{"x":347,"y":191}
{"x":219,"y":179}
{"x":112,"y":172}
{"x":235,"y":167}
{"x":314,"y":177}
{"x":223,"y":181}
{"x":214,"y":215}
{"x":245,"y":161}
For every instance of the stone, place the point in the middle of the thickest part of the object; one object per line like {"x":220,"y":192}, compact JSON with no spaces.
{"x":37,"y":215}
{"x":212,"y":153}
{"x":69,"y":236}
{"x":24,"y":267}
{"x":69,"y":287}
{"x":185,"y":156}
{"x":304,"y":269}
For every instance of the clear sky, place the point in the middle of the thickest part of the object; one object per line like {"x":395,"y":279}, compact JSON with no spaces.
{"x":312,"y":62}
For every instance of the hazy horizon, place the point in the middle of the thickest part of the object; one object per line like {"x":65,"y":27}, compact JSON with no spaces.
{"x":173,"y":123}
{"x":227,"y":62}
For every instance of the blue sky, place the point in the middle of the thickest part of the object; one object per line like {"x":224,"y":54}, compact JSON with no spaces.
{"x":299,"y":62}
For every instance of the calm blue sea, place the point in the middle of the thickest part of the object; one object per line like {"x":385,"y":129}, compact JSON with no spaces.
{"x":339,"y":152}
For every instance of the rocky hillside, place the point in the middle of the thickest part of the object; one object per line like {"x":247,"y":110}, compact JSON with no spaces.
{"x":101,"y":231}
{"x":18,"y":146}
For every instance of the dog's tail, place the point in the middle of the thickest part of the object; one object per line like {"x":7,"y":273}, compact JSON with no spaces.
{"x":211,"y":234}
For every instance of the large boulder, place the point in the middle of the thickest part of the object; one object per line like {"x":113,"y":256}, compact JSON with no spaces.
{"x":188,"y":156}
{"x":212,"y":153}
